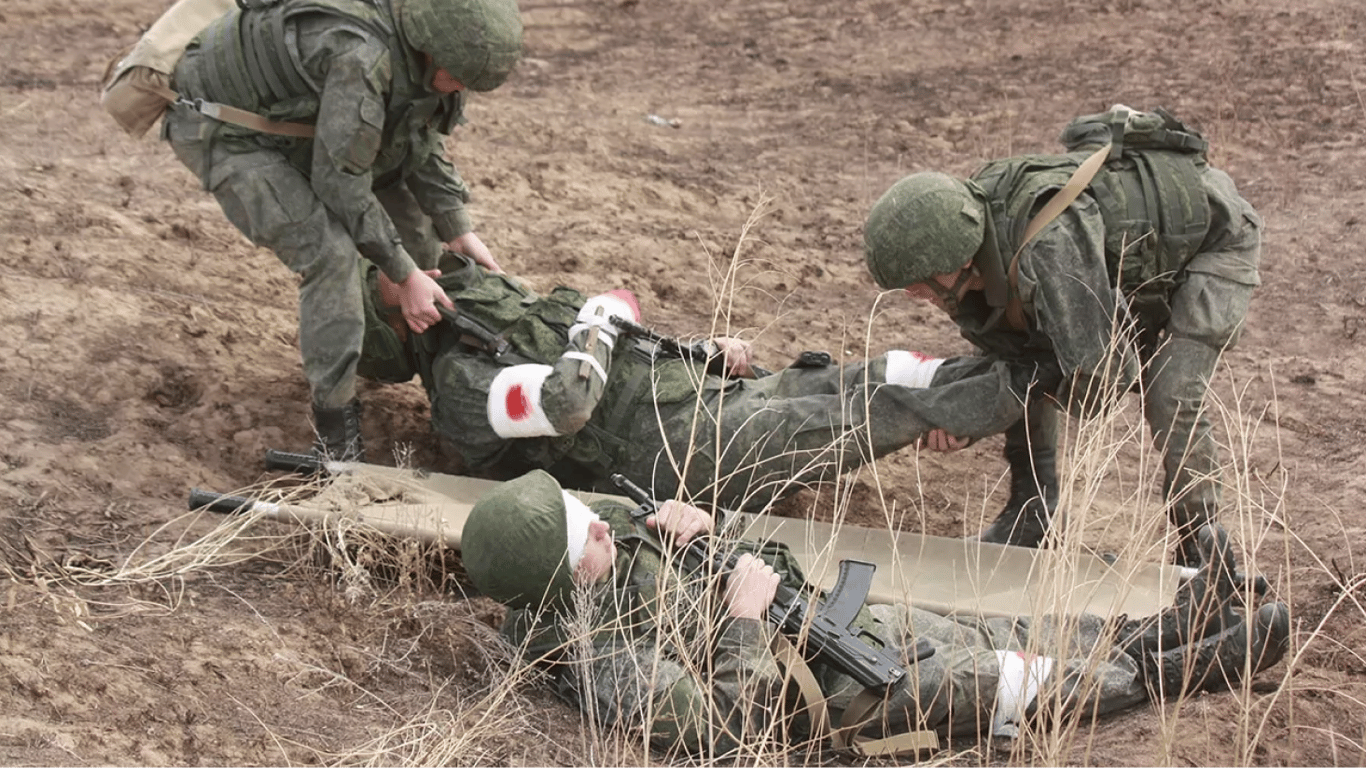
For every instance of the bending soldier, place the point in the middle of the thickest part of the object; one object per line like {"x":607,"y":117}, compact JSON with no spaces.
{"x":689,"y":659}
{"x":1142,"y":280}
{"x":382,"y":84}
{"x":519,"y":381}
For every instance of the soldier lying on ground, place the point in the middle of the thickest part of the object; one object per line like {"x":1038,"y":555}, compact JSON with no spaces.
{"x":710,"y":680}
{"x":522,"y":381}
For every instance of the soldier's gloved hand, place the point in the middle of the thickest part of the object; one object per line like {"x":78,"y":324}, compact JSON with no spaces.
{"x":470,"y":245}
{"x":737,"y":354}
{"x":418,"y":297}
{"x":680,"y":521}
{"x":750,"y":588}
{"x":942,"y":442}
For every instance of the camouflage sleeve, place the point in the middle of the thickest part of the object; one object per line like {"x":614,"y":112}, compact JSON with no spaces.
{"x":1063,"y":275}
{"x":351,"y":115}
{"x":442,"y":194}
{"x":703,"y":708}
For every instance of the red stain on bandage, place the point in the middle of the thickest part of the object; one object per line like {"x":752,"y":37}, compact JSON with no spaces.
{"x":518,"y":406}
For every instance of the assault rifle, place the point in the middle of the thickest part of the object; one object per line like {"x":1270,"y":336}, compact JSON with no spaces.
{"x":668,"y":346}
{"x":825,"y":628}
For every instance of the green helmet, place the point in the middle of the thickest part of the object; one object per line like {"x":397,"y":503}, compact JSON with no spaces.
{"x":477,"y":42}
{"x":515,"y":544}
{"x":927,"y":224}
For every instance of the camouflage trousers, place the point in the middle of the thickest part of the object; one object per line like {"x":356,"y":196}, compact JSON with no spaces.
{"x":959,"y":690}
{"x":754,"y":441}
{"x":273,"y":203}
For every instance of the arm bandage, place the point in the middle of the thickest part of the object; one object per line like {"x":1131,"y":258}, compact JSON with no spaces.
{"x":514,"y":405}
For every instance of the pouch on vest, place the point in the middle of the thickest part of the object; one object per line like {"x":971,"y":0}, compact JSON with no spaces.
{"x":136,"y":83}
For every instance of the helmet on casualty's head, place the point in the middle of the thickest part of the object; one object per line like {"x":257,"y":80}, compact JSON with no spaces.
{"x":477,"y":42}
{"x":927,"y":224}
{"x":522,"y":541}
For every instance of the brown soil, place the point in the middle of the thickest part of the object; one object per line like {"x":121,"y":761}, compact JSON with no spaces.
{"x":149,"y":348}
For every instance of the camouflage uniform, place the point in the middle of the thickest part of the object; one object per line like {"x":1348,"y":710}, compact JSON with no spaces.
{"x":649,"y":642}
{"x":636,"y":662}
{"x":744,"y":442}
{"x":1160,"y":246}
{"x":372,"y":181}
{"x":1066,"y":283}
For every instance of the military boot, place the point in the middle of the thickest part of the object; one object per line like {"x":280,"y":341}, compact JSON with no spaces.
{"x":1219,"y":662}
{"x":1204,"y":604}
{"x":1033,"y":501}
{"x":338,"y":432}
{"x":1188,"y":517}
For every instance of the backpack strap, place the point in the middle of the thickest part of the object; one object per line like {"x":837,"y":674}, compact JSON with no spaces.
{"x":228,"y":114}
{"x":1080,"y":180}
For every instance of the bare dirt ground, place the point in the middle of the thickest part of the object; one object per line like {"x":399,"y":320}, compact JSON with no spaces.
{"x":148,"y":348}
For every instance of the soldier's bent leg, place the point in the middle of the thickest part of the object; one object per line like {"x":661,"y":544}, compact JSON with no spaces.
{"x":1177,"y":380}
{"x":1032,"y":452}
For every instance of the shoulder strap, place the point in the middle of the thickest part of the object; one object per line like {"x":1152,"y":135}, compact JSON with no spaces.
{"x":1080,"y":180}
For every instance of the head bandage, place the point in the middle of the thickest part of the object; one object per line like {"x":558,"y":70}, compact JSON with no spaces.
{"x":577,"y":518}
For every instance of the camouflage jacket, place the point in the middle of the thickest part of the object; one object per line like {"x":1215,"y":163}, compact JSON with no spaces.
{"x":341,"y":65}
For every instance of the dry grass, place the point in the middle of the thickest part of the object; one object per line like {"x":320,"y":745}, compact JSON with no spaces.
{"x":1111,"y":484}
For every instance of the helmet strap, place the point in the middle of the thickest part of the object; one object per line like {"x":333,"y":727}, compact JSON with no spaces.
{"x":950,"y":297}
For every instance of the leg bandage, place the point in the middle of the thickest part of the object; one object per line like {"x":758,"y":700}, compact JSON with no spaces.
{"x":911,"y":369}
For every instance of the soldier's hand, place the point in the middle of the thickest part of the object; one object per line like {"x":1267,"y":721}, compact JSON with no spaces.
{"x":680,"y":521}
{"x":750,"y":588}
{"x":470,"y":245}
{"x":738,"y":354}
{"x":418,"y":297}
{"x":943,"y":442}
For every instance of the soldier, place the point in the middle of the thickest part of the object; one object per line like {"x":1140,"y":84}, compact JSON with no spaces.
{"x":1141,"y":281}
{"x":382,"y":82}
{"x":589,"y":596}
{"x":519,"y":381}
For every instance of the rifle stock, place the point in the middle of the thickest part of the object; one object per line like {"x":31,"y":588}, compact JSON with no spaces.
{"x":821,"y":632}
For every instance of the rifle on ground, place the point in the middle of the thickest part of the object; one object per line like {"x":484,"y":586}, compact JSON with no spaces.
{"x":825,"y":627}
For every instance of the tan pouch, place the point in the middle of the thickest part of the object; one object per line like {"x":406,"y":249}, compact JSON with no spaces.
{"x":137,"y":82}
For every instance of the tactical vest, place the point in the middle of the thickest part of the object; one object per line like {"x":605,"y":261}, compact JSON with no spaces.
{"x":1152,"y":202}
{"x":249,"y":58}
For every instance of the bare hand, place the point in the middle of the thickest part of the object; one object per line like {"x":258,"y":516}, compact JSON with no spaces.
{"x":943,"y":442}
{"x":470,"y":245}
{"x":418,"y":297}
{"x":739,"y":354}
{"x":750,"y":588}
{"x":681,"y":521}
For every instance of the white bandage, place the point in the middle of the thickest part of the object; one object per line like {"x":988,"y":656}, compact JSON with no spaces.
{"x":607,"y":334}
{"x":1022,"y":674}
{"x":514,"y":406}
{"x":587,"y":358}
{"x":911,"y":369}
{"x":577,"y":518}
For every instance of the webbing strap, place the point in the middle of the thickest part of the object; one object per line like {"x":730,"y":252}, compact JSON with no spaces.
{"x":855,"y":716}
{"x":227,"y":114}
{"x":814,"y":700}
{"x":1080,"y":180}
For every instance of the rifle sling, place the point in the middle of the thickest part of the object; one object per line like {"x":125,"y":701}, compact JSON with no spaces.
{"x":1080,"y":180}
{"x":228,"y":114}
{"x":845,"y":738}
